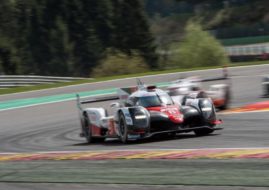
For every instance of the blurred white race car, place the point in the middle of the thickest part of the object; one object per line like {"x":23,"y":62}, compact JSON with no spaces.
{"x":181,"y":89}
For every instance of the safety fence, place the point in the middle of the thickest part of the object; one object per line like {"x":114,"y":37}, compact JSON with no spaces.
{"x":245,"y":40}
{"x":259,"y":51}
{"x":8,"y":81}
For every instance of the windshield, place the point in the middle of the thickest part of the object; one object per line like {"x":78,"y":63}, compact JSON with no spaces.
{"x":175,"y":92}
{"x":154,"y":101}
{"x":166,"y":99}
{"x":179,"y":91}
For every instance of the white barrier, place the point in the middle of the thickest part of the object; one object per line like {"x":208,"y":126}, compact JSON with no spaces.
{"x":249,"y":49}
{"x":8,"y":81}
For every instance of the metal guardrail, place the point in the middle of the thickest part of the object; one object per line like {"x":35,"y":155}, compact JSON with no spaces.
{"x":8,"y":81}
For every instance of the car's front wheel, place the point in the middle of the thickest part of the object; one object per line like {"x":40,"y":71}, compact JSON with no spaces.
{"x":203,"y":131}
{"x":123,"y":128}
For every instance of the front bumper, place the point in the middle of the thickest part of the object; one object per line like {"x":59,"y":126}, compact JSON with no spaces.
{"x":183,"y":130}
{"x":143,"y":135}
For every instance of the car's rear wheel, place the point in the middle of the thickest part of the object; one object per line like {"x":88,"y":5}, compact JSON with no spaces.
{"x":226,"y":101}
{"x":123,"y":128}
{"x":87,"y":130}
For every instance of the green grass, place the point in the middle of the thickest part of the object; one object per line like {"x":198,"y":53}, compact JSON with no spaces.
{"x":213,"y":172}
{"x":47,"y":86}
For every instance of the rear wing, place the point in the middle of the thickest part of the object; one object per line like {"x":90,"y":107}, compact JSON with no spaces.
{"x":78,"y":102}
{"x":122,"y":94}
{"x":94,"y":99}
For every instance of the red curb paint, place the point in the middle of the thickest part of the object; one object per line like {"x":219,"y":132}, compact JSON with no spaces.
{"x":193,"y":154}
{"x":257,"y":106}
{"x":250,"y":107}
{"x":260,"y":155}
{"x":181,"y":154}
{"x":118,"y":155}
{"x":112,"y":155}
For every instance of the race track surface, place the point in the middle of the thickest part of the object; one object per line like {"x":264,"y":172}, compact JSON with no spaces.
{"x":59,"y":186}
{"x":55,"y":127}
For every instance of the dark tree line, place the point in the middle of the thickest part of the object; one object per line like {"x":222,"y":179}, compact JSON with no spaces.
{"x":70,"y":37}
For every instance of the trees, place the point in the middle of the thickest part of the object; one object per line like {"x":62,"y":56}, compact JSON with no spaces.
{"x":69,"y":37}
{"x":8,"y":57}
{"x":199,"y":48}
{"x":90,"y":30}
{"x":117,"y":63}
{"x":131,"y":31}
{"x":61,"y":50}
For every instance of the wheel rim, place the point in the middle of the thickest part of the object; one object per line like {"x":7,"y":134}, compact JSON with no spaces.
{"x":122,"y":126}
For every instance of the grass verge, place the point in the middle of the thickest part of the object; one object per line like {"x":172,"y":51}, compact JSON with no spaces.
{"x":84,"y":81}
{"x":232,"y":172}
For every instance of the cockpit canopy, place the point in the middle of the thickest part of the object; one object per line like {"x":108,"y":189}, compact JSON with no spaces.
{"x":149,"y":99}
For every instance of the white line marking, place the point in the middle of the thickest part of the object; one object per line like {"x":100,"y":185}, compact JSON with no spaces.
{"x":56,"y":101}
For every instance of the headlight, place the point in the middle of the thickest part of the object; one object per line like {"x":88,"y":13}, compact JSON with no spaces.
{"x":140,"y":116}
{"x":206,"y":109}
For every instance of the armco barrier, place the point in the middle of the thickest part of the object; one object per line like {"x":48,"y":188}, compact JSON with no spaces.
{"x":8,"y":81}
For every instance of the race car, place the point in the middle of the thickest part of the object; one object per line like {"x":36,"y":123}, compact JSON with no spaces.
{"x":144,"y":111}
{"x":191,"y":86}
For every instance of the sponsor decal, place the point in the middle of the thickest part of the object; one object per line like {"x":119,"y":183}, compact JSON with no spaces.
{"x":132,"y":136}
{"x":129,"y":121}
{"x":93,"y":116}
{"x":127,"y":116}
{"x":124,"y":97}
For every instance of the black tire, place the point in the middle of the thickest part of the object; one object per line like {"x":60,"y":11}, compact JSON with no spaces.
{"x":172,"y":135}
{"x":227,"y":101}
{"x":87,"y":129}
{"x":203,"y":132}
{"x":123,"y":129}
{"x":223,"y":107}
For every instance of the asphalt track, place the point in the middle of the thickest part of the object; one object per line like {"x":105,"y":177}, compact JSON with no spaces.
{"x":44,"y":186}
{"x":55,"y":127}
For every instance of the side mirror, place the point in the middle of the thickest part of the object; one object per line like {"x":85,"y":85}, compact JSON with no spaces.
{"x":115,"y":105}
